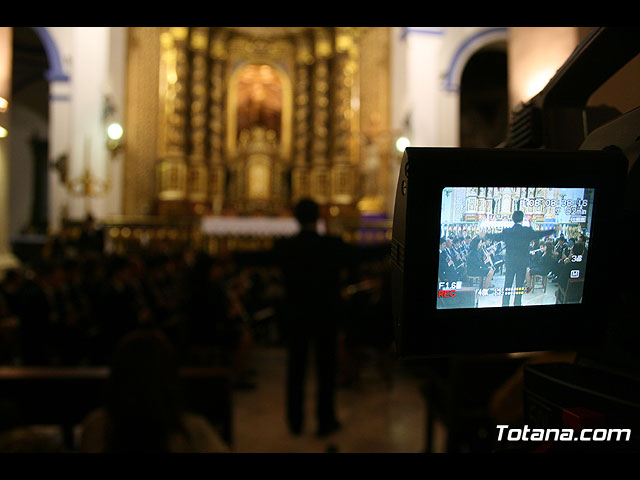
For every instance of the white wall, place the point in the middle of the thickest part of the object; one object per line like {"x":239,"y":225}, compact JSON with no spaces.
{"x":95,"y":60}
{"x":88,"y":79}
{"x":426,"y":68}
{"x":415,"y":81}
{"x":534,"y":56}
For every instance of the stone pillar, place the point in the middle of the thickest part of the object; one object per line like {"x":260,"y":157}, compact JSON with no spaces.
{"x":142,"y":109}
{"x":88,"y":152}
{"x":424,"y":88}
{"x":59,"y":148}
{"x":7,"y":259}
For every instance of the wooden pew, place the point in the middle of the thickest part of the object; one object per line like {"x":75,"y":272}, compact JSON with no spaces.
{"x":65,"y":395}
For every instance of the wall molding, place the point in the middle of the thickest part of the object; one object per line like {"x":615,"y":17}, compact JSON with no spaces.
{"x":465,"y":50}
{"x":406,"y":31}
{"x":55,"y":72}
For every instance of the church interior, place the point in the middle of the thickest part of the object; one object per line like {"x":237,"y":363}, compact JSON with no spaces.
{"x":141,"y":156}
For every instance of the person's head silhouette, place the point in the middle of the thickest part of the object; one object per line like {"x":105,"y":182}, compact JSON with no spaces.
{"x":144,"y":396}
{"x":307,"y":213}
{"x":517,"y":216}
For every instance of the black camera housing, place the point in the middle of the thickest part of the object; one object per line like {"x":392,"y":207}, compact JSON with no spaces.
{"x":424,"y":330}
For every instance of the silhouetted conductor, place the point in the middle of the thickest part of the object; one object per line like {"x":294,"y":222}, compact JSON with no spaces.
{"x":517,"y":239}
{"x":311,"y":266}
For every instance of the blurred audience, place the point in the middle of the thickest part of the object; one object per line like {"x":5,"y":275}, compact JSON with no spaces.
{"x":143,"y":411}
{"x":153,"y":310}
{"x":75,"y":302}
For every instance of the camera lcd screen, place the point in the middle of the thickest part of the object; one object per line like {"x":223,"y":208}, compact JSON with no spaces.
{"x":513,"y":246}
{"x":491,"y":235}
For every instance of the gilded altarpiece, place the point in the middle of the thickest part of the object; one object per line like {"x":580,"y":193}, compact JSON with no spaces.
{"x":252,"y":119}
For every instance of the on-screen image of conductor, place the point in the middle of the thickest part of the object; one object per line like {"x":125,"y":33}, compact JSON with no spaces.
{"x":517,"y":239}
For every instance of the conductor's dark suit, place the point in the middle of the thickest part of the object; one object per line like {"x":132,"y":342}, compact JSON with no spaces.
{"x":311,"y":265}
{"x":517,"y":239}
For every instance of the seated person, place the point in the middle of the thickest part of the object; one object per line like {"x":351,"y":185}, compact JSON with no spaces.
{"x":561,"y":252}
{"x":446,"y":269}
{"x":458,"y":263}
{"x":143,"y":412}
{"x":476,"y":262}
{"x":497,"y":255}
{"x":458,"y":250}
{"x":583,"y":239}
{"x":575,"y":261}
{"x":541,"y":263}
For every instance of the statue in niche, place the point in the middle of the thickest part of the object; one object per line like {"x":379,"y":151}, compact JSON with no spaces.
{"x":257,"y":131}
{"x":259,"y":99}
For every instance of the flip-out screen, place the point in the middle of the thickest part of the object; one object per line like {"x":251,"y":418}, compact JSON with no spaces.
{"x":492,"y":253}
{"x":513,"y":246}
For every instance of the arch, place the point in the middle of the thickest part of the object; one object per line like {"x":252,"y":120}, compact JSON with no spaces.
{"x":468,"y":48}
{"x":55,"y":72}
{"x":421,"y":31}
{"x":484,"y":99}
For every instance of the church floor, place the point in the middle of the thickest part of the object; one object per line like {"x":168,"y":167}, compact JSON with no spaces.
{"x":537,"y":295}
{"x":376,"y":416}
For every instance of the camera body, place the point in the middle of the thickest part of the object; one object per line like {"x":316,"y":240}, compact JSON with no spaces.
{"x":479,"y":189}
{"x":596,"y":152}
{"x":554,"y":142}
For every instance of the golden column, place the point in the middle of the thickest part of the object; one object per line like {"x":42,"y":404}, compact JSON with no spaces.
{"x":343,"y":178}
{"x":171,"y":171}
{"x":481,"y":208}
{"x":540,"y":208}
{"x":551,"y":194}
{"x":471,"y":204}
{"x":320,"y":186}
{"x":527,"y":202}
{"x":489,"y":202}
{"x":300,"y":187}
{"x":197,"y":173}
{"x":217,"y":171}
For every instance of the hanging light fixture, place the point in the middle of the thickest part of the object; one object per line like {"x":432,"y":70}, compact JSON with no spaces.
{"x":115,"y":133}
{"x":402,"y":143}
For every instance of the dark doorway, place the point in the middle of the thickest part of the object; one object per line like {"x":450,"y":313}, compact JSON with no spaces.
{"x":29,"y":136}
{"x":484,"y":99}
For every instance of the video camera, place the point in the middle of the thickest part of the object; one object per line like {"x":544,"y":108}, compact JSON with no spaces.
{"x":448,"y":193}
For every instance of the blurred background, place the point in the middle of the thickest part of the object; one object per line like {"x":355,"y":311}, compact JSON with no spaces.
{"x":131,"y":158}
